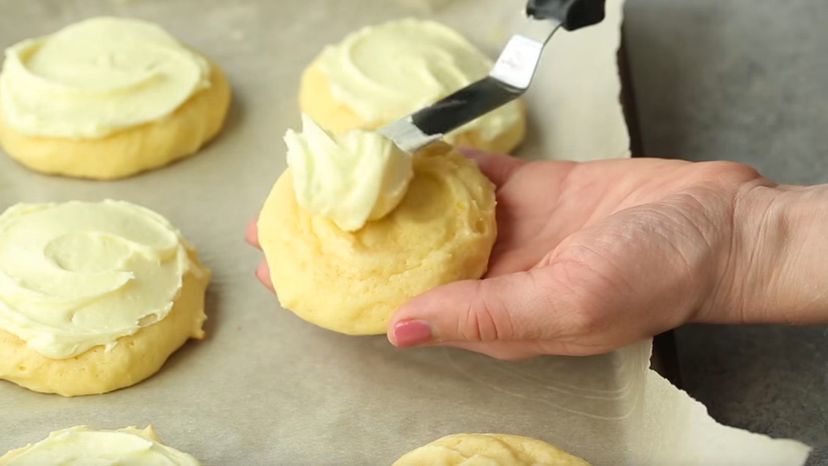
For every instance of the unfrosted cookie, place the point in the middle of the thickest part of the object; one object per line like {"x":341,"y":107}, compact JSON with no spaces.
{"x":488,"y":450}
{"x":351,"y":282}
{"x":381,"y":73}
{"x":93,"y":296}
{"x":107,"y":98}
{"x":81,"y":445}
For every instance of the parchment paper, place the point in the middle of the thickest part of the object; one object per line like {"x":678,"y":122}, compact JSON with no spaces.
{"x":268,"y":388}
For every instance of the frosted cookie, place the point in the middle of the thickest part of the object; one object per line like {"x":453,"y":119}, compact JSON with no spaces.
{"x":488,"y":450}
{"x":355,"y":227}
{"x":381,"y":73}
{"x":107,"y":98}
{"x":93,"y":296}
{"x":81,"y":445}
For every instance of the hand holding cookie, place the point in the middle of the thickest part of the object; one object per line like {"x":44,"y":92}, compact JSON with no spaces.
{"x":593,"y":256}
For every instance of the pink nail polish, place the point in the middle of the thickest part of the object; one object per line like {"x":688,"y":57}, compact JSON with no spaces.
{"x":411,"y":333}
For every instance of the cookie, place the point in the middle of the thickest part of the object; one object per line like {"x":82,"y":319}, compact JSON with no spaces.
{"x":107,"y":98}
{"x":381,"y":73}
{"x":82,"y":445}
{"x":488,"y":450}
{"x":93,"y":296}
{"x":351,"y":282}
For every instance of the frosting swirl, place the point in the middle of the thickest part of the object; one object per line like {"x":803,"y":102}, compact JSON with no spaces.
{"x":388,"y":71}
{"x":96,"y":77}
{"x":82,"y":446}
{"x":350,"y":178}
{"x":77,"y":275}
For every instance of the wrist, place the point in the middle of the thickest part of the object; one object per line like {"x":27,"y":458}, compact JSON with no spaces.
{"x":776,"y":272}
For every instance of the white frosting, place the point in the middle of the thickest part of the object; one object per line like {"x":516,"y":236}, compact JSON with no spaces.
{"x":78,"y":275}
{"x":388,"y":71}
{"x":80,"y":446}
{"x":96,"y":77}
{"x":351,"y":178}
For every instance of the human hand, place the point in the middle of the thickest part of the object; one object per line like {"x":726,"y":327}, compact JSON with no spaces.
{"x":590,"y":257}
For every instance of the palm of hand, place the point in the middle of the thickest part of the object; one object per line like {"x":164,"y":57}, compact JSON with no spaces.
{"x":541,"y":205}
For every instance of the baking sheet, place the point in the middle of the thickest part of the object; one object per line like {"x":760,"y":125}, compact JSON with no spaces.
{"x":267,"y":388}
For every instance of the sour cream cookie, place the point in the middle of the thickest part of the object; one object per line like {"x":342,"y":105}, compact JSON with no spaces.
{"x":488,"y":450}
{"x":93,"y":296}
{"x":381,"y":73}
{"x":355,"y":228}
{"x":82,"y":445}
{"x":107,"y":98}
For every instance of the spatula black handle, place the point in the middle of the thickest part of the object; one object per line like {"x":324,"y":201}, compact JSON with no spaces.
{"x":573,"y":14}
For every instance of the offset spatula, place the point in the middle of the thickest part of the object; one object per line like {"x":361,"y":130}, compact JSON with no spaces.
{"x":509,"y":78}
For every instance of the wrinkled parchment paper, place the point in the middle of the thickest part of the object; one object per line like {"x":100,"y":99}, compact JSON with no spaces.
{"x":267,"y":388}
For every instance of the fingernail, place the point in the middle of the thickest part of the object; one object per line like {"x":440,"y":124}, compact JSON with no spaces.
{"x":411,"y":333}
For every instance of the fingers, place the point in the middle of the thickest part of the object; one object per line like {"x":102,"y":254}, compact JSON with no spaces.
{"x":263,"y":274}
{"x":496,"y":167}
{"x":251,"y":234}
{"x":508,"y":308}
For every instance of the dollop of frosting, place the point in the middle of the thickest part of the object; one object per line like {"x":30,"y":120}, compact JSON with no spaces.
{"x":388,"y":71}
{"x":81,"y":446}
{"x":96,"y":77}
{"x":350,"y":178}
{"x":78,"y":275}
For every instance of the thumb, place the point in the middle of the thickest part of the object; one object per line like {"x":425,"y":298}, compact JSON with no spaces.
{"x":512,"y":307}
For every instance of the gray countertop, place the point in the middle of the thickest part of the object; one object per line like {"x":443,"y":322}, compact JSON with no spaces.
{"x":743,"y":80}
